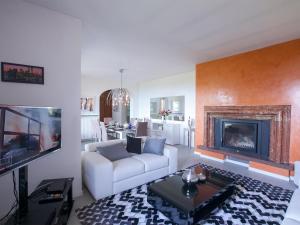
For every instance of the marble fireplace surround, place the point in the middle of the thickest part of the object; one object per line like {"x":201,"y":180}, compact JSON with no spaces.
{"x":280,"y":116}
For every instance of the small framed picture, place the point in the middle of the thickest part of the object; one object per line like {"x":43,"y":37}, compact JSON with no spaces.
{"x":19,"y":73}
{"x":87,"y":104}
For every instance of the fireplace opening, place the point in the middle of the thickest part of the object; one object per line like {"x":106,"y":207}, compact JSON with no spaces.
{"x":239,"y":135}
{"x":247,"y":137}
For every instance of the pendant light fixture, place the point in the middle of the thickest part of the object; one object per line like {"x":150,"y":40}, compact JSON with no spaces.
{"x":119,"y":96}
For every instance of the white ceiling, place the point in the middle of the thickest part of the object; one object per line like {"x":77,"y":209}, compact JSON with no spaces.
{"x":155,"y":38}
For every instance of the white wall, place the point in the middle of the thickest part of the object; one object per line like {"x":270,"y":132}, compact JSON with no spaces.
{"x":94,"y":86}
{"x":140,"y":94}
{"x":176,"y":85}
{"x":37,"y":36}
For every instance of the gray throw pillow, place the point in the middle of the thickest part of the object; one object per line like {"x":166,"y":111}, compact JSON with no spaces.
{"x":154,"y":146}
{"x":114,"y":152}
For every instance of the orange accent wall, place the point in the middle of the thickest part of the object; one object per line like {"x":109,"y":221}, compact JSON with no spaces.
{"x":268,"y":76}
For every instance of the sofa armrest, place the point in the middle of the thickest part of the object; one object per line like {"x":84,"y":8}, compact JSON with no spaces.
{"x":172,"y":153}
{"x":293,"y":208}
{"x":97,"y":174}
{"x":297,"y":173}
{"x":92,"y":147}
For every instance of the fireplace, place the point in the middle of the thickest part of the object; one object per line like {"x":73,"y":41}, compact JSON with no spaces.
{"x":243,"y":136}
{"x":275,"y":118}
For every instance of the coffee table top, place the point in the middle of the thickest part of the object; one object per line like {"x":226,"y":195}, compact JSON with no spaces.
{"x":173,"y":190}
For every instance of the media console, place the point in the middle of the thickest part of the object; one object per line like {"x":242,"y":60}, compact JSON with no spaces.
{"x":170,"y":131}
{"x":41,"y":210}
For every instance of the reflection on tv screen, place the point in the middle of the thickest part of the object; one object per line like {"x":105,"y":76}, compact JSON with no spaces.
{"x":27,"y":133}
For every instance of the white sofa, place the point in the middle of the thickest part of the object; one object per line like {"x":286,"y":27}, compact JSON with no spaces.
{"x":292,"y":216}
{"x":103,"y":177}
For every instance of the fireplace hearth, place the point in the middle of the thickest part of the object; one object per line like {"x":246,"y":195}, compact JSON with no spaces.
{"x":246,"y":137}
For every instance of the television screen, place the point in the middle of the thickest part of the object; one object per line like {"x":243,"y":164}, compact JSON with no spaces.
{"x":27,"y":133}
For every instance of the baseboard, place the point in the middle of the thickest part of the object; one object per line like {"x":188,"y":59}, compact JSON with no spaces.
{"x":269,"y":174}
{"x":78,"y":194}
{"x":278,"y":176}
{"x":210,"y":157}
{"x":237,"y":162}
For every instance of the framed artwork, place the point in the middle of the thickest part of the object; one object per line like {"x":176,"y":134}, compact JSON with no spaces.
{"x":19,"y":73}
{"x":87,"y":104}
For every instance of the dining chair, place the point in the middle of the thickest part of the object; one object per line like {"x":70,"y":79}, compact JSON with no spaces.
{"x":141,"y":129}
{"x":103,"y":131}
{"x":106,"y":120}
{"x":97,"y":129}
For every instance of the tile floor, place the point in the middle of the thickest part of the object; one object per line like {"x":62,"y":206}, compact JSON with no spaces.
{"x":186,"y":158}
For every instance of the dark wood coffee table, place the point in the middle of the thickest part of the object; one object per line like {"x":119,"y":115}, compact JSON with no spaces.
{"x":188,"y":205}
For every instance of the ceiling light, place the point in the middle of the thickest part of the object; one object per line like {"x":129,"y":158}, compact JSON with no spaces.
{"x":118,"y":96}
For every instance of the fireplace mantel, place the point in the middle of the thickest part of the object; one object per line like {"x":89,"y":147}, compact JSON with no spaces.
{"x":279,"y":115}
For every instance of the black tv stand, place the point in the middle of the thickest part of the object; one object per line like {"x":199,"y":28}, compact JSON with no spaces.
{"x":23,"y":191}
{"x":32,"y":211}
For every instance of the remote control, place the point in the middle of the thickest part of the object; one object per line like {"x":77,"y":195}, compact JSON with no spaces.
{"x":52,"y":198}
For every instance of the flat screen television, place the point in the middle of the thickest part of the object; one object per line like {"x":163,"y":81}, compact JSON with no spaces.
{"x":27,"y":133}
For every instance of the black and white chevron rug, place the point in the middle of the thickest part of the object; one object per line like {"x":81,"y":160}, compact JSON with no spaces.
{"x":254,"y":202}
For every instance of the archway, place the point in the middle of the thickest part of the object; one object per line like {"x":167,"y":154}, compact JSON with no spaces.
{"x":105,"y":107}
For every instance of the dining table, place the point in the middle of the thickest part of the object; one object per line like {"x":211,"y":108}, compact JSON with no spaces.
{"x":119,"y":132}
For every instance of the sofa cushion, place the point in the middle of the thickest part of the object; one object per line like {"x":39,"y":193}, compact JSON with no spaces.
{"x":114,"y":152}
{"x":126,"y":168}
{"x":294,"y":206}
{"x":154,"y":145}
{"x":152,"y":161}
{"x":134,"y":145}
{"x":92,"y":147}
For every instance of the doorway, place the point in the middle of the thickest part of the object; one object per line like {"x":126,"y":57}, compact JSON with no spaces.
{"x":105,"y":106}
